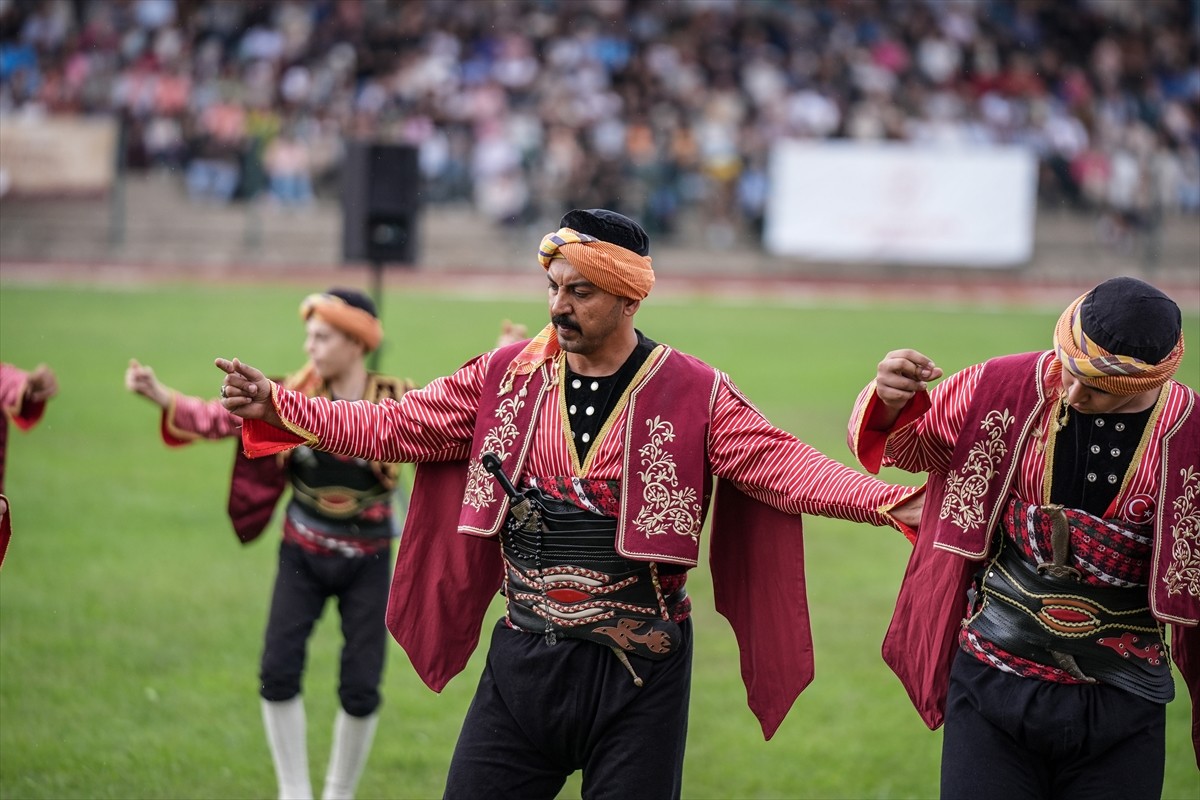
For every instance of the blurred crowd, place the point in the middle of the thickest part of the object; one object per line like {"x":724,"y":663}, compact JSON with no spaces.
{"x":650,"y":107}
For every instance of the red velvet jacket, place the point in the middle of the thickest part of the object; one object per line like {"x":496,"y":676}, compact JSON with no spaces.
{"x":444,"y":583}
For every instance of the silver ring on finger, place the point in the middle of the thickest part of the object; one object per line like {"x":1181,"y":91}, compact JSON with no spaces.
{"x":222,"y":390}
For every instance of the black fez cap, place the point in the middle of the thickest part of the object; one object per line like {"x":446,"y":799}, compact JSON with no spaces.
{"x":1128,"y":317}
{"x":353,"y":297}
{"x":608,"y":226}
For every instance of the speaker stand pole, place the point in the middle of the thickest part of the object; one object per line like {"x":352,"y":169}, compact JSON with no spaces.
{"x":377,"y":296}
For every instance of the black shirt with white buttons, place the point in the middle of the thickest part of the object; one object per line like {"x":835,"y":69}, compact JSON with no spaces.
{"x":590,"y":399}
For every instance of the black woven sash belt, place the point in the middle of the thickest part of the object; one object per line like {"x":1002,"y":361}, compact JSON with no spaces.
{"x":1096,"y":634}
{"x":564,"y":577}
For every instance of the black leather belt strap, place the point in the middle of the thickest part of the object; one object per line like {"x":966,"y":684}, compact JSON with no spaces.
{"x":564,"y":577}
{"x":618,"y":610}
{"x":1096,"y":634}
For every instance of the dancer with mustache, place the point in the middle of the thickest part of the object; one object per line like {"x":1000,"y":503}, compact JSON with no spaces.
{"x":611,"y":442}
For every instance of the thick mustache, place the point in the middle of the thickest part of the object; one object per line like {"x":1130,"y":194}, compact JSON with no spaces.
{"x":566,"y":322}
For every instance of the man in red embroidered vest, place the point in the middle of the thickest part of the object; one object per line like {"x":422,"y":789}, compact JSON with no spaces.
{"x":337,"y":534}
{"x":1061,"y":531}
{"x":23,"y":397}
{"x":611,"y":442}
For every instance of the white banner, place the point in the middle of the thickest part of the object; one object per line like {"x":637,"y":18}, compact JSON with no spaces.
{"x":57,"y":155}
{"x":899,"y":203}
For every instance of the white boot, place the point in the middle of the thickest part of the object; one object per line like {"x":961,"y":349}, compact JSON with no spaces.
{"x":351,"y":743}
{"x":284,"y":722}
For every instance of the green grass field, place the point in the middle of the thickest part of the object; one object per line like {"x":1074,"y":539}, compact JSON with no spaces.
{"x":130,"y":617}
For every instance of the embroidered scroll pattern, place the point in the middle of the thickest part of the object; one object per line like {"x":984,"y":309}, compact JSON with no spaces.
{"x":480,"y":485}
{"x":1183,"y":573}
{"x":666,"y":508}
{"x":965,"y":490}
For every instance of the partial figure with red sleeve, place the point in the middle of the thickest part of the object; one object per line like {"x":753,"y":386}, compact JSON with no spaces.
{"x":574,"y":471}
{"x":337,"y":533}
{"x":23,"y":397}
{"x":1060,"y":536}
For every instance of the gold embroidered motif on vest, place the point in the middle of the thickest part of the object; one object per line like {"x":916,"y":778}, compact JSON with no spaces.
{"x":480,"y":485}
{"x":965,"y":490}
{"x":666,"y":508}
{"x":1183,"y":573}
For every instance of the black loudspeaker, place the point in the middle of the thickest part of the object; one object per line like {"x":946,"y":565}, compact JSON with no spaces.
{"x":381,"y":199}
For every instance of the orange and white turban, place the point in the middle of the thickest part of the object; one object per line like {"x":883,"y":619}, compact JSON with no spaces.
{"x":609,"y":266}
{"x":355,"y":322}
{"x":614,"y":255}
{"x":1127,"y":305}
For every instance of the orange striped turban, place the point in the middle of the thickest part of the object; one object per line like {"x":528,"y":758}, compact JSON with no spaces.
{"x":610,"y":250}
{"x":608,"y":266}
{"x":355,"y":319}
{"x":1132,"y":306}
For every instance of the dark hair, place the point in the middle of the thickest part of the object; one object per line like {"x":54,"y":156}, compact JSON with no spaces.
{"x":355,"y":298}
{"x":608,"y":226}
{"x":1128,"y":317}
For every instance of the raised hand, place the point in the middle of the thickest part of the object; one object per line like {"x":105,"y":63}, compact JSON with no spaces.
{"x":42,"y":384}
{"x":246,"y":392}
{"x":140,"y":379}
{"x":902,"y":374}
{"x":510,"y":332}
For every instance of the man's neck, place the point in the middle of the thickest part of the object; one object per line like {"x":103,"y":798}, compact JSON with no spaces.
{"x":607,"y":360}
{"x":349,"y":385}
{"x":1141,"y":402}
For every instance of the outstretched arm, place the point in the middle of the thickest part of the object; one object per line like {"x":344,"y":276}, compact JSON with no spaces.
{"x":435,"y":423}
{"x":184,"y":418}
{"x":773,"y":466}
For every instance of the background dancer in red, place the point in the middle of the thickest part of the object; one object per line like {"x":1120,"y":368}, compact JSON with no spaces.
{"x":337,"y":534}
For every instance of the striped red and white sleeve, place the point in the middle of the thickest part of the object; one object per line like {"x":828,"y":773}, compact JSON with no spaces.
{"x":773,"y":466}
{"x":435,"y":423}
{"x":922,"y":438}
{"x":186,"y":419}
